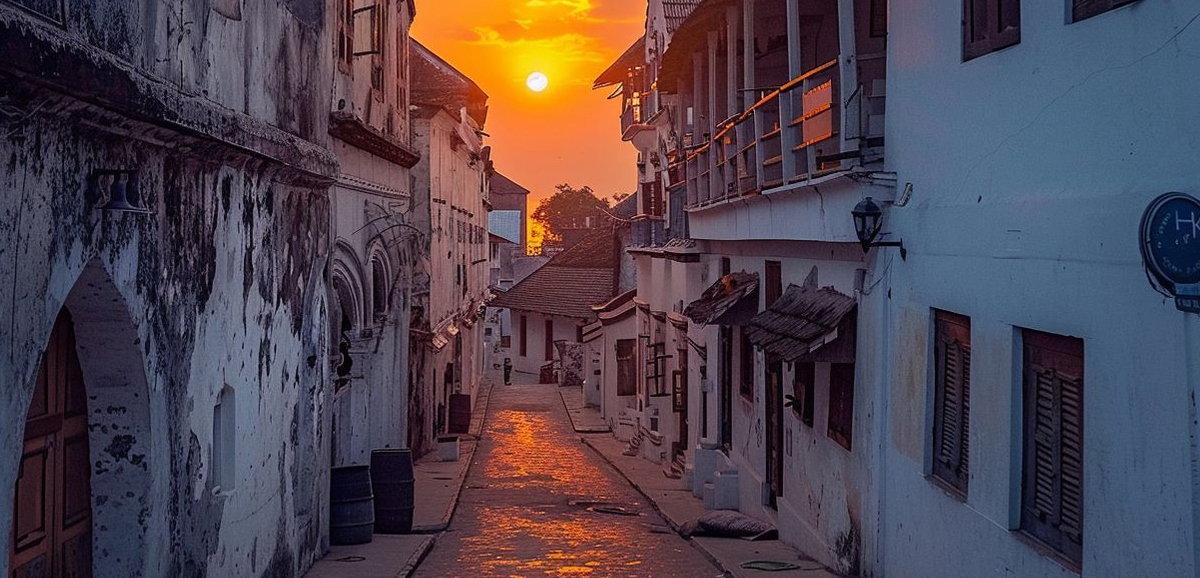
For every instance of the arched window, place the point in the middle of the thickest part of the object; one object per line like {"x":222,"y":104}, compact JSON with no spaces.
{"x":379,"y":290}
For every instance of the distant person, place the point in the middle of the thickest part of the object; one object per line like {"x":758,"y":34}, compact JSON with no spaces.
{"x":507,"y":371}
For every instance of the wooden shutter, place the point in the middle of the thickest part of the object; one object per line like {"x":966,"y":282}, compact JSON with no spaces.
{"x":1081,"y":9}
{"x":878,"y":18}
{"x":626,"y":370}
{"x":804,"y":389}
{"x":989,"y":25}
{"x":524,"y":336}
{"x":841,"y":403}
{"x":1052,"y":500}
{"x":952,"y":399}
{"x":746,"y":365}
{"x":774,"y":282}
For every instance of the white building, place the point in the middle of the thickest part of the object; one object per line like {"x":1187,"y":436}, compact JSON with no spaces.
{"x":373,"y":253}
{"x":451,"y":284}
{"x":1033,"y":146}
{"x":763,"y":124}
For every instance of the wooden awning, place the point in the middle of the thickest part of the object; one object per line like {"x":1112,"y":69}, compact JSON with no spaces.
{"x":732,"y":300}
{"x":804,"y":320}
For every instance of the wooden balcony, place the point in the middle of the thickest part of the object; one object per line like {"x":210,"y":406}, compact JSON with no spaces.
{"x":787,"y":136}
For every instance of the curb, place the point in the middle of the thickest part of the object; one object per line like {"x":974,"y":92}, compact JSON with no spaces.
{"x":417,"y":557}
{"x":654,"y":505}
{"x":476,"y":435}
{"x":571,"y":418}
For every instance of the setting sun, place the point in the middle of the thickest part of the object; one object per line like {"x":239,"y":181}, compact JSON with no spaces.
{"x":537,"y":82}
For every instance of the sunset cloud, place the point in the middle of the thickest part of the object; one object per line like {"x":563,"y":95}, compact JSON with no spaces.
{"x":567,"y":47}
{"x":578,"y":8}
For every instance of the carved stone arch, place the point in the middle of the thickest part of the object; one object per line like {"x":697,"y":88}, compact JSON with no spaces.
{"x":116,"y":448}
{"x":348,"y":294}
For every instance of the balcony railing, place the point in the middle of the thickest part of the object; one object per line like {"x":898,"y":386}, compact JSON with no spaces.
{"x":630,"y":116}
{"x":784,"y":137}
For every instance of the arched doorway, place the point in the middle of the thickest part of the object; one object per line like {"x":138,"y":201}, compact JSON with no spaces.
{"x":84,"y":500}
{"x":52,"y":522}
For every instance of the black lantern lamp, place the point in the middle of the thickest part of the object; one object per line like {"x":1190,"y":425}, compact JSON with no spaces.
{"x":122,"y":192}
{"x":868,"y":220}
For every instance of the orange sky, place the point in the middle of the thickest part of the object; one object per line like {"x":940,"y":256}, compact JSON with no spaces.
{"x":569,"y":133}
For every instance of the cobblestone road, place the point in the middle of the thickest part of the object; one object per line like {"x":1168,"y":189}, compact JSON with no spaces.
{"x":525,"y":508}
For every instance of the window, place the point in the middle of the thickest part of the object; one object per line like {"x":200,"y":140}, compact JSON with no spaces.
{"x":745,"y":365}
{"x":626,"y":370}
{"x":656,"y":368}
{"x":345,"y":35}
{"x":804,"y":385}
{"x":549,"y":334}
{"x":379,"y":292}
{"x":952,"y":399}
{"x":989,"y":25}
{"x":726,"y":268}
{"x":841,"y":403}
{"x":1081,"y":9}
{"x":524,"y":336}
{"x":224,"y":452}
{"x":1052,"y":489}
{"x":774,"y":282}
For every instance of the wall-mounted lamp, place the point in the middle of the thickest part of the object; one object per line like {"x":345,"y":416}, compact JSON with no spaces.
{"x":868,"y":220}
{"x":123,"y":187}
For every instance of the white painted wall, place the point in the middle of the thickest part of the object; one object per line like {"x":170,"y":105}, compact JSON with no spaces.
{"x":564,"y":328}
{"x":1029,"y":183}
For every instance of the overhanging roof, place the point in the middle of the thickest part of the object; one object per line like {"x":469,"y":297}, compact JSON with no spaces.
{"x":633,"y":56}
{"x":801,"y":321}
{"x":726,"y":302}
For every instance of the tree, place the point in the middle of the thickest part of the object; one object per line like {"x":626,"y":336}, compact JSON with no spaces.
{"x":568,"y":208}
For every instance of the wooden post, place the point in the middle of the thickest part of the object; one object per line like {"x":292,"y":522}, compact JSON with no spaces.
{"x":710,"y":154}
{"x":699,"y":126}
{"x":848,"y":73}
{"x":787,"y":109}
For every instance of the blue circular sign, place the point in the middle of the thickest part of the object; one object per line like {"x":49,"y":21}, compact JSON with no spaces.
{"x":1171,"y":240}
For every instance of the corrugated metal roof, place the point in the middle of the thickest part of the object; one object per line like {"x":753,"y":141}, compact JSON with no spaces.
{"x":798,"y":322}
{"x":721,"y":296}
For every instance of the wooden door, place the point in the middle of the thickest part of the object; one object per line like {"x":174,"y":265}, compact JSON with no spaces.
{"x":52,"y":521}
{"x":774,"y":434}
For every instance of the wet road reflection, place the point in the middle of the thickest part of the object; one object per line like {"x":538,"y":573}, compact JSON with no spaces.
{"x":524,"y":510}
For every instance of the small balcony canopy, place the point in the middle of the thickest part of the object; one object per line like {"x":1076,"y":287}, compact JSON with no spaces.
{"x":804,"y":320}
{"x":732,"y":300}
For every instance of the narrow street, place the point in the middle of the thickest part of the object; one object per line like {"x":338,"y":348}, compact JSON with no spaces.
{"x":525,"y":508}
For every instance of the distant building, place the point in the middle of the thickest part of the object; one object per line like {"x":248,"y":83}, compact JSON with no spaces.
{"x":554,"y":302}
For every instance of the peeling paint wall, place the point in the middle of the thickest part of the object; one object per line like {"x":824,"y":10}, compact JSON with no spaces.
{"x":220,"y":285}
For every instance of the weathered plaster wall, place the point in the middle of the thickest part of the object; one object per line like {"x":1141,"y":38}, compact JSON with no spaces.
{"x":1029,"y":186}
{"x":220,"y":108}
{"x":222,"y":284}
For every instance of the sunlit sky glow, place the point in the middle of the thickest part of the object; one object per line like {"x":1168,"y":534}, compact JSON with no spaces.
{"x":568,"y":132}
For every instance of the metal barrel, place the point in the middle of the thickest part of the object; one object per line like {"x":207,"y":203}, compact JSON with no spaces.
{"x":392,"y":479}
{"x":351,"y":505}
